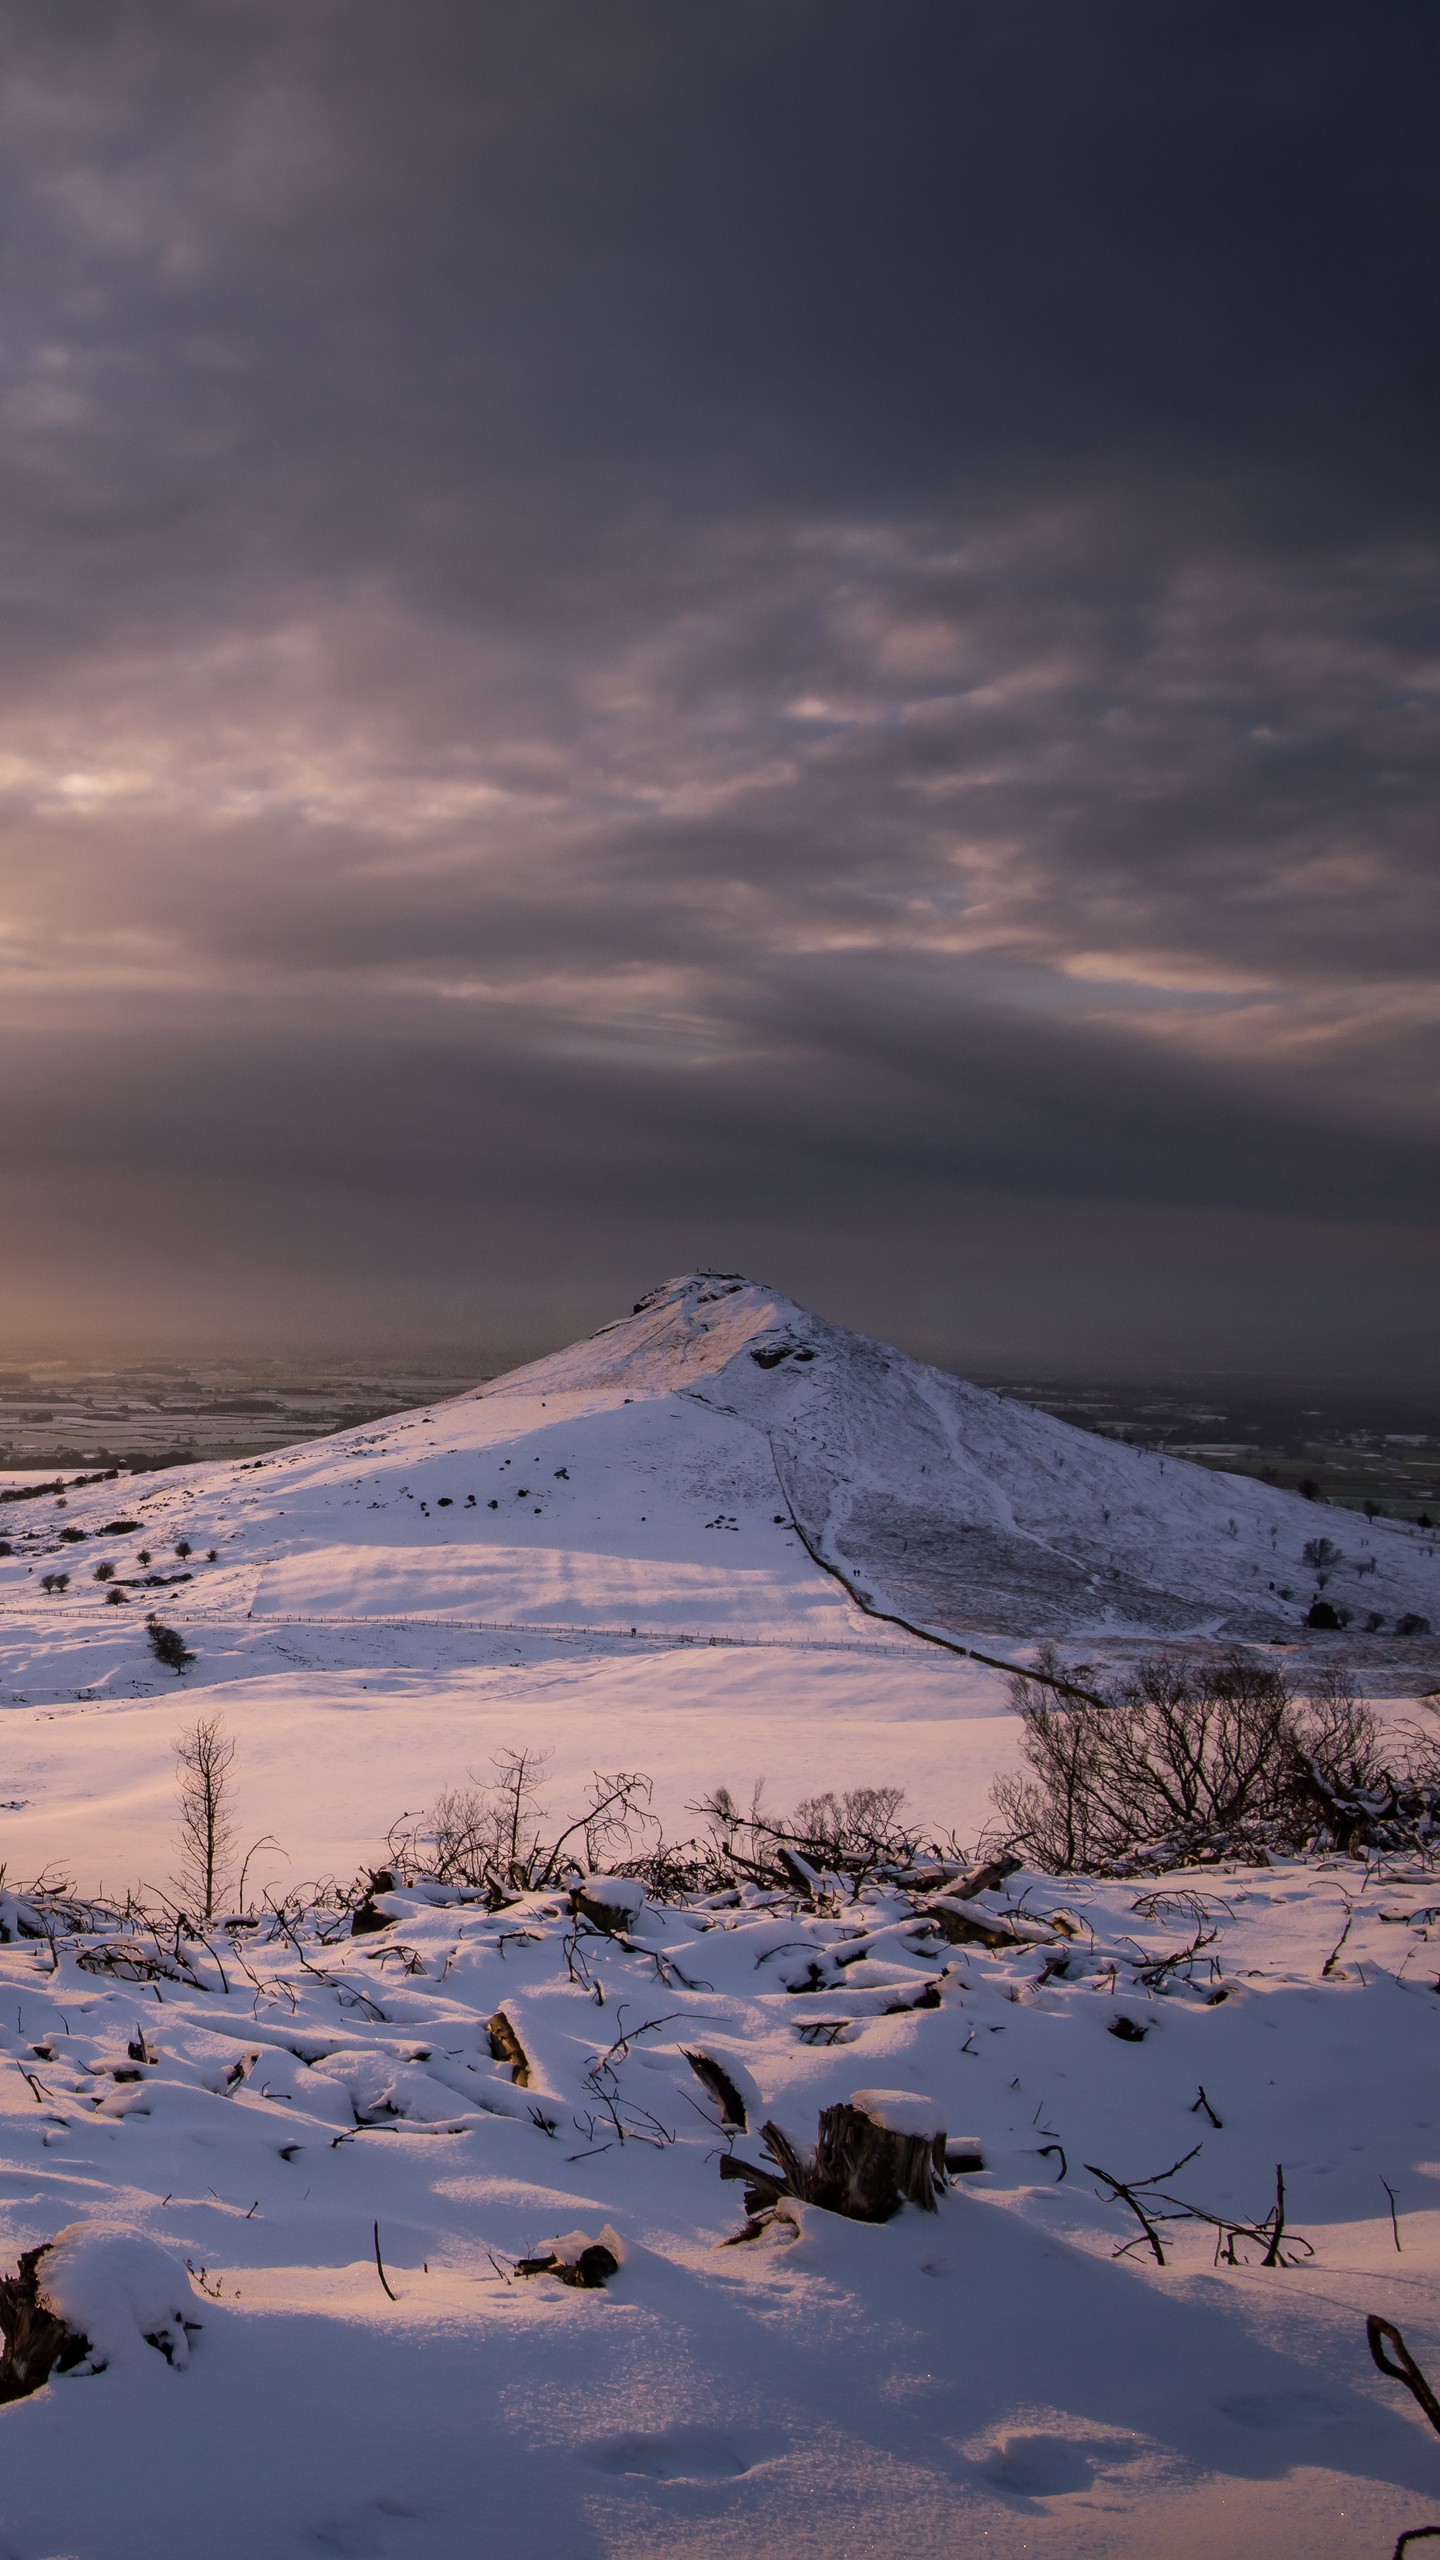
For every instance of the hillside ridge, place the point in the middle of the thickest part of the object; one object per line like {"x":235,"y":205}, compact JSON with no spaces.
{"x":963,"y":1510}
{"x":724,"y":1463}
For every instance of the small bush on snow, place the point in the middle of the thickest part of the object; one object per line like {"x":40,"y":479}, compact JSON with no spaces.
{"x":1188,"y":1757}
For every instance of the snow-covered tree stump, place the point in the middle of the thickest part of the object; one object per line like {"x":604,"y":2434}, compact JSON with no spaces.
{"x":37,"y":2341}
{"x":98,"y":2295}
{"x":366,"y":1917}
{"x":883,"y":2149}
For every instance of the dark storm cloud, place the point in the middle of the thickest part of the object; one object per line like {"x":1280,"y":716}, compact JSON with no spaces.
{"x":794,"y":635}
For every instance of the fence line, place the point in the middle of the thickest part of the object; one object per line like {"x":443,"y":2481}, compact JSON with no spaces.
{"x":656,"y":1636}
{"x":565,"y":1627}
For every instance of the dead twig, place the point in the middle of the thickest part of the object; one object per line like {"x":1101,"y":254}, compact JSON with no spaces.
{"x":1127,"y":2195}
{"x":1152,"y":2203}
{"x":1272,"y":2257}
{"x":380,"y":2266}
{"x":1328,"y":1966}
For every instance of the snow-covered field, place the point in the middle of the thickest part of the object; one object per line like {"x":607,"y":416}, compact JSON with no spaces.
{"x":328,"y":1759}
{"x":664,"y":1551}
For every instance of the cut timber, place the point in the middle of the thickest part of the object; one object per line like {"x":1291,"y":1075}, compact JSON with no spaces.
{"x":505,"y":2046}
{"x":983,"y":1879}
{"x":37,"y":2342}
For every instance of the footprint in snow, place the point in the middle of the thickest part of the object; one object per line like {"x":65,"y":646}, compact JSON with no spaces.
{"x":685,"y":2453}
{"x":1047,"y":2466}
{"x":363,"y":2534}
{"x":1281,"y":2409}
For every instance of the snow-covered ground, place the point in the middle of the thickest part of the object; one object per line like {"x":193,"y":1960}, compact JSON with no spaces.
{"x":329,"y":1758}
{"x":666,"y":1550}
{"x":988,"y":2378}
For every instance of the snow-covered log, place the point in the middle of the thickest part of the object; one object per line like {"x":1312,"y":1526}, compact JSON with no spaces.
{"x":984,"y":1879}
{"x":964,"y":1926}
{"x":19,"y":1920}
{"x":799,"y":1873}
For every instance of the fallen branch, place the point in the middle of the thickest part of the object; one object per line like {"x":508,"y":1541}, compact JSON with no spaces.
{"x":1382,"y":2333}
{"x":577,"y":2260}
{"x":1160,"y":2206}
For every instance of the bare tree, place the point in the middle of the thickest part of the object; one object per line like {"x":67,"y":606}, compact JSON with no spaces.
{"x":204,"y":1759}
{"x":517,"y":1816}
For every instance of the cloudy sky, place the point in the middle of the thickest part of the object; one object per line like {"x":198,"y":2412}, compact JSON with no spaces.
{"x":774,"y":633}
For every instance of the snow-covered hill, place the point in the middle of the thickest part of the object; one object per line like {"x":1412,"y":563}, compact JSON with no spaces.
{"x":722,"y":1464}
{"x":969,"y":1511}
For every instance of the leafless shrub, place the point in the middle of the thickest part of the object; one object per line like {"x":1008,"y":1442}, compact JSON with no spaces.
{"x":1420,"y":1737}
{"x":478,"y":1835}
{"x":496,"y":1837}
{"x":1190,"y":1758}
{"x":848,"y":1834}
{"x":467,"y":1830}
{"x":492,"y":1838}
{"x":615,"y":1826}
{"x":678,"y":1870}
{"x":861,"y":1828}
